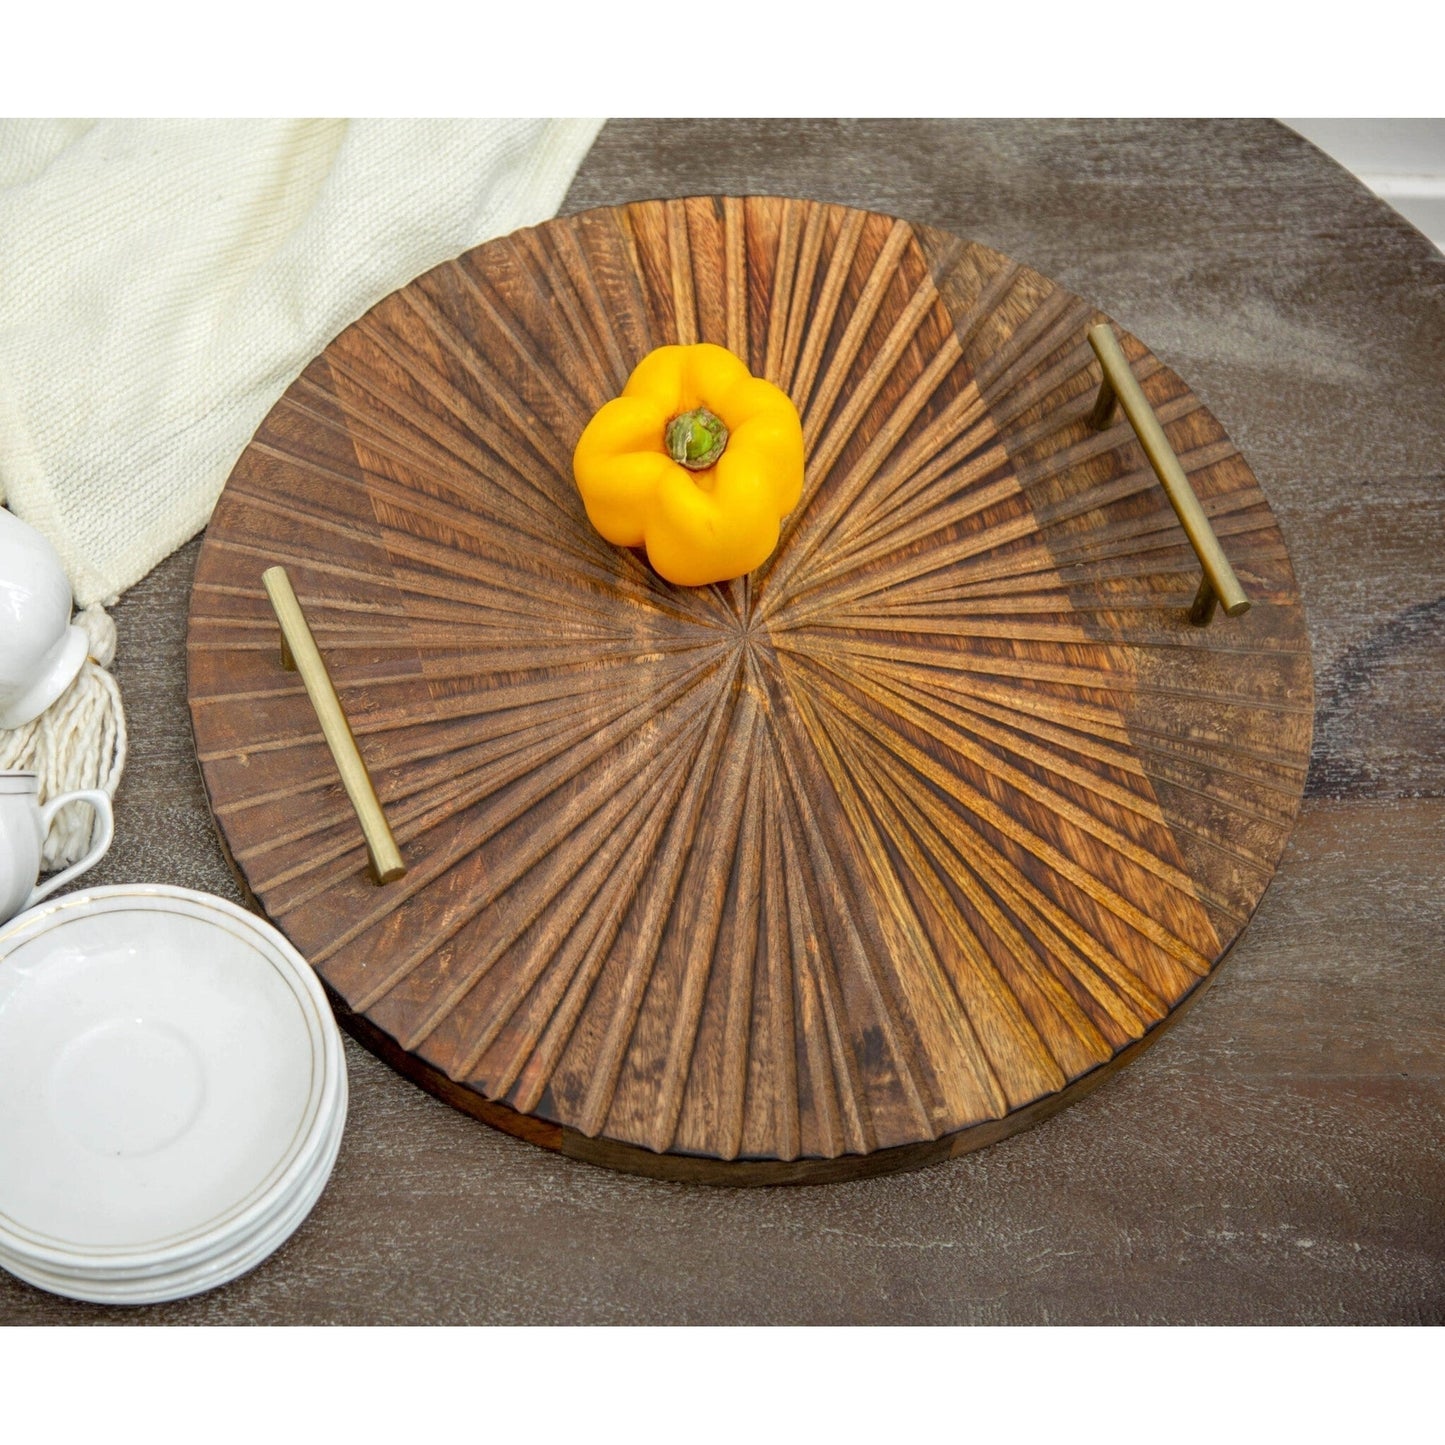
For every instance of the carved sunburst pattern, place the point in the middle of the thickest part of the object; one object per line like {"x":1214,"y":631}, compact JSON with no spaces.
{"x":876,"y":853}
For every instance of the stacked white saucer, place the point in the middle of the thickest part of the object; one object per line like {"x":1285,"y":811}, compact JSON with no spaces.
{"x":172,"y":1093}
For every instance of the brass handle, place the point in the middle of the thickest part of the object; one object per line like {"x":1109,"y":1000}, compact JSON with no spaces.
{"x":299,"y":653}
{"x":1219,"y":582}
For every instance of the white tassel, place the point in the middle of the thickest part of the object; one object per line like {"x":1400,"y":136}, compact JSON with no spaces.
{"x":77,"y":742}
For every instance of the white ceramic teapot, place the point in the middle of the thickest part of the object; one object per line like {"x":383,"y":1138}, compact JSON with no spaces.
{"x":23,"y":826}
{"x":41,"y":650}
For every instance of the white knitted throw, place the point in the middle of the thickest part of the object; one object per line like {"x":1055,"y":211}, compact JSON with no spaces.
{"x":163,"y":282}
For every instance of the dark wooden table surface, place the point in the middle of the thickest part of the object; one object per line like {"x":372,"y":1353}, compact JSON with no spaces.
{"x":1277,"y":1159}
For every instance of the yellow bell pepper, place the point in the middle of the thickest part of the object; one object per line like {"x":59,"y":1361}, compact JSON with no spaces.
{"x":698,"y":461}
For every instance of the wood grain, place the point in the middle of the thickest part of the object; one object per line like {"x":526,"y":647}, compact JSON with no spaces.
{"x":876,"y":855}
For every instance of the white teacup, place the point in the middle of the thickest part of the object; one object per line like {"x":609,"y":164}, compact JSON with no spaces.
{"x":23,"y":826}
{"x":41,"y":650}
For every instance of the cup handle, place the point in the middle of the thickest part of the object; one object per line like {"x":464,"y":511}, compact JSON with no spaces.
{"x":98,"y":800}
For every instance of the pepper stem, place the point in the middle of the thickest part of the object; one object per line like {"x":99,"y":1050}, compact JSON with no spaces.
{"x":696,"y":439}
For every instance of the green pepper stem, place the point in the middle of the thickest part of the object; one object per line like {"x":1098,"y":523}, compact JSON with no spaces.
{"x":696,"y":439}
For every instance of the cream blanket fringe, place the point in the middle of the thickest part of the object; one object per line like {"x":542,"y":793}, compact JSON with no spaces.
{"x":77,"y":742}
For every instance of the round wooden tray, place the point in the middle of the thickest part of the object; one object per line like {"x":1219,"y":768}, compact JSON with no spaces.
{"x":880,"y":854}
